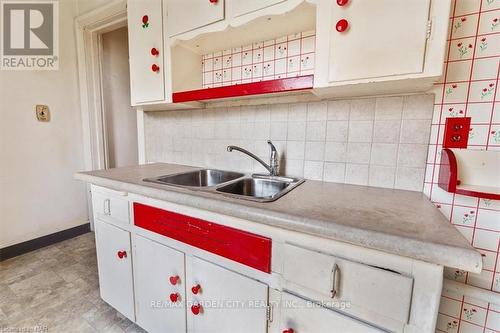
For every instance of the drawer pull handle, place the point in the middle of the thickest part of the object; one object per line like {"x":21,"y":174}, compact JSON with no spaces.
{"x":154,"y":52}
{"x":342,"y":2}
{"x":335,"y":280}
{"x":122,"y":254}
{"x":196,"y":289}
{"x":195,"y":309}
{"x":289,"y":330}
{"x":155,"y":68}
{"x":174,"y":280}
{"x":174,"y":297}
{"x":107,"y":207}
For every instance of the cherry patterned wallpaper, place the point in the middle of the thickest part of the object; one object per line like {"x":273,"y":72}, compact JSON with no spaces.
{"x":469,"y":88}
{"x":287,"y":56}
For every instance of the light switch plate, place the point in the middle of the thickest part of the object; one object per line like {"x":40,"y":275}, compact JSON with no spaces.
{"x":42,"y":113}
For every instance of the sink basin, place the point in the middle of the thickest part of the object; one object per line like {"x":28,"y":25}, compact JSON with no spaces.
{"x":197,"y":178}
{"x":260,"y":188}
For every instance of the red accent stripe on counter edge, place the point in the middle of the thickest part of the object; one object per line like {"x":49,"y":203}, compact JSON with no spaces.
{"x":241,"y":246}
{"x":254,"y":88}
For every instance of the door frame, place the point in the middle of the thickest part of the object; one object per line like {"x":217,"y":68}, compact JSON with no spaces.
{"x":89,"y":28}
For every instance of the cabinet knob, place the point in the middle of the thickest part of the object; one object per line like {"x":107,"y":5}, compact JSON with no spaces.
{"x":342,"y":25}
{"x":154,"y":52}
{"x":196,"y":289}
{"x":213,"y":1}
{"x":289,"y":330}
{"x":174,"y":297}
{"x":174,"y":279}
{"x":122,"y":254}
{"x":195,"y":309}
{"x":155,"y":68}
{"x":342,"y":2}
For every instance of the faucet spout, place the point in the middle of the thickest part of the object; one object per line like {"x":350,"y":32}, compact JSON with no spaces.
{"x":272,"y":167}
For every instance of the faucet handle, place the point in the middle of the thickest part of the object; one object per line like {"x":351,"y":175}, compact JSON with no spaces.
{"x":273,"y":161}
{"x":273,"y":148}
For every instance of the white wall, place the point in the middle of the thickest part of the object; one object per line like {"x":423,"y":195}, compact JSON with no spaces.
{"x":85,"y":6}
{"x":120,"y":117}
{"x":38,"y":195}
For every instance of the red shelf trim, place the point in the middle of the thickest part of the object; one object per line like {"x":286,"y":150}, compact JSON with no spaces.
{"x":448,"y":178}
{"x":448,"y":171}
{"x":241,"y":246}
{"x":472,"y":193}
{"x":254,"y":88}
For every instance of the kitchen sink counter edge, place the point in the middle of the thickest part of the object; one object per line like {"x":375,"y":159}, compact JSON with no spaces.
{"x":401,"y":222}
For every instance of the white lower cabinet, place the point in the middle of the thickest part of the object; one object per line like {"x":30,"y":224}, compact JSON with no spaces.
{"x":165,"y":285}
{"x":292,"y":314}
{"x":114,"y":261}
{"x":221,"y":301}
{"x":159,"y":286}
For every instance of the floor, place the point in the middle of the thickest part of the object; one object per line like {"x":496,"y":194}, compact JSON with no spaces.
{"x":56,"y":289}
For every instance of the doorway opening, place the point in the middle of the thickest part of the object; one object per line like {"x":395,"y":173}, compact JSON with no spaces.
{"x":119,"y":118}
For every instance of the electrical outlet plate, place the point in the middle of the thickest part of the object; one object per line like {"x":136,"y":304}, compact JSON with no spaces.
{"x":42,"y":113}
{"x":456,"y":132}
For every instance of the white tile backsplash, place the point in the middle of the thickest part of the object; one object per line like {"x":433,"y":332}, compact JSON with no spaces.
{"x":376,"y":141}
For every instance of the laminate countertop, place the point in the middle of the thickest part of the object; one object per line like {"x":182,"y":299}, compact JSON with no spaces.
{"x":401,"y":222}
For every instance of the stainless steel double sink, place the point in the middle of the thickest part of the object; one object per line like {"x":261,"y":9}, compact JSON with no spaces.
{"x":256,"y":187}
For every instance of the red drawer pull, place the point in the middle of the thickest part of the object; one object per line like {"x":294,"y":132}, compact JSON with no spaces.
{"x":154,"y":52}
{"x":122,"y":254}
{"x":342,"y":2}
{"x":145,"y":21}
{"x":174,"y":279}
{"x":196,"y":289}
{"x":195,"y":309}
{"x":155,"y":68}
{"x":213,"y":1}
{"x":174,"y":297}
{"x":342,"y":25}
{"x":290,"y":330}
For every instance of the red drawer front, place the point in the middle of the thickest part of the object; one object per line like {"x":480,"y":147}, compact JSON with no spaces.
{"x":241,"y":246}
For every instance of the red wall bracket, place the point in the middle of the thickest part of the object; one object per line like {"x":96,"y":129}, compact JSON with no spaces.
{"x":456,"y":132}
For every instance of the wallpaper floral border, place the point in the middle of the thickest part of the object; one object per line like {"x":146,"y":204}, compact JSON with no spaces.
{"x":469,"y":88}
{"x":283,"y":57}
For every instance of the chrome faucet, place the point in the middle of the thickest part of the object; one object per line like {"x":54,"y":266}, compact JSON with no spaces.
{"x":273,"y":161}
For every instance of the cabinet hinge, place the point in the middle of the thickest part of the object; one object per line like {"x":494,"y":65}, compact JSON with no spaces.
{"x":269,"y":313}
{"x":429,"y":29}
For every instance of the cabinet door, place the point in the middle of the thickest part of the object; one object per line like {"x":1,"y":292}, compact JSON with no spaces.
{"x":186,"y":15}
{"x":294,"y":314}
{"x":114,"y":261}
{"x":145,"y":32}
{"x":228,"y":302}
{"x":159,"y":286}
{"x":244,"y":7}
{"x":383,"y":38}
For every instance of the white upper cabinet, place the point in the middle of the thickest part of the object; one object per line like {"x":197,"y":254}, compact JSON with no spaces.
{"x":145,"y":33}
{"x":360,"y":48}
{"x":367,"y":47}
{"x":186,"y":15}
{"x":381,"y":38}
{"x":244,"y":7}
